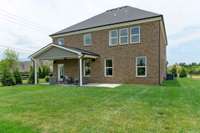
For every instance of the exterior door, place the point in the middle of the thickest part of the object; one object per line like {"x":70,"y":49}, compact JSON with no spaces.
{"x":60,"y":72}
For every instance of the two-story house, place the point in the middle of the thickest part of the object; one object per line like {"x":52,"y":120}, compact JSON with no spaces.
{"x":121,"y":45}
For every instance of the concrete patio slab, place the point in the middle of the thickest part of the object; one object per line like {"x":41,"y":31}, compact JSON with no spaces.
{"x":102,"y":85}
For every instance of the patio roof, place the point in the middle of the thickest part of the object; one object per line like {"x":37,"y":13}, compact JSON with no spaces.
{"x":54,"y":51}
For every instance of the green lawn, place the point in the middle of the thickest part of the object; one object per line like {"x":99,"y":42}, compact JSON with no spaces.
{"x":173,"y":107}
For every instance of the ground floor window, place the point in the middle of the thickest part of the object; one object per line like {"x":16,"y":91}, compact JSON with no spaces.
{"x":87,"y":67}
{"x":141,"y":66}
{"x":108,"y":70}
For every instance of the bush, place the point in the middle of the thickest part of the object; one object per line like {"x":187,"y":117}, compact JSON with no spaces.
{"x":47,"y":78}
{"x":174,"y":70}
{"x":43,"y":71}
{"x":183,"y":73}
{"x":40,"y":73}
{"x":7,"y":78}
{"x":17,"y":76}
{"x":31,"y":78}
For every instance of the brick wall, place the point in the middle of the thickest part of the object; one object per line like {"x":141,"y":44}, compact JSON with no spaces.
{"x":124,"y":56}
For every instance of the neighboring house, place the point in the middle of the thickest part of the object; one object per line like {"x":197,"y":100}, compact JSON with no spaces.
{"x":24,"y":66}
{"x":122,"y":45}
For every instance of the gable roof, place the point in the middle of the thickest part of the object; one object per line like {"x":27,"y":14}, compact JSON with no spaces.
{"x":113,"y":16}
{"x":74,"y":50}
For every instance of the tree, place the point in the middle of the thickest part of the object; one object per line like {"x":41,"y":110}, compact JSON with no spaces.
{"x":7,"y":78}
{"x":174,"y":70}
{"x":182,"y":64}
{"x":11,"y":58}
{"x":7,"y":66}
{"x":183,"y":73}
{"x":17,"y":77}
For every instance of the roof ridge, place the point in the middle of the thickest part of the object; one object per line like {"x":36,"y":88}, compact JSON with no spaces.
{"x":118,"y":8}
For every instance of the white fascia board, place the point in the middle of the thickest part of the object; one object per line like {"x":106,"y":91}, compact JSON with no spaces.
{"x":53,"y":45}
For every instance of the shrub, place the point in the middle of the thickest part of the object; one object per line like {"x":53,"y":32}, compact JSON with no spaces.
{"x":31,"y":78}
{"x":17,"y":76}
{"x":174,"y":70}
{"x":7,"y":78}
{"x":40,"y":73}
{"x":45,"y":71}
{"x":47,"y":78}
{"x":183,"y":73}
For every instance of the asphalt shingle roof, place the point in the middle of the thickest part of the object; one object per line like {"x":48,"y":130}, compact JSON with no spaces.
{"x":113,"y":16}
{"x":82,"y":51}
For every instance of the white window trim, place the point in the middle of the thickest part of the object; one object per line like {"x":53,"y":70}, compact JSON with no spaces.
{"x":110,"y":38}
{"x":84,"y":42}
{"x":84,"y":74}
{"x":61,"y":38}
{"x":141,"y":67}
{"x":123,"y":36}
{"x":105,"y":75}
{"x":131,"y":35}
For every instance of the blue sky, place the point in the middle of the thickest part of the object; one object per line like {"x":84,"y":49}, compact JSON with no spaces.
{"x":26,"y":24}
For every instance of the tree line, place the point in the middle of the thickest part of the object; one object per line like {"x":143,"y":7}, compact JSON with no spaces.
{"x":184,"y":69}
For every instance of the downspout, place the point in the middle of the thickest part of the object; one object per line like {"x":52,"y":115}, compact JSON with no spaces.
{"x":80,"y":70}
{"x":35,"y":70}
{"x":159,"y":56}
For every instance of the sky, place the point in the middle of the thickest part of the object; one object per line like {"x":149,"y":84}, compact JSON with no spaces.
{"x":25,"y":25}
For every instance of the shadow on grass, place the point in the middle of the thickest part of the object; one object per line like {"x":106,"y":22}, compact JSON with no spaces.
{"x":171,"y":83}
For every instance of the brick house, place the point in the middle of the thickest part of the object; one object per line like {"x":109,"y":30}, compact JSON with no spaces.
{"x":121,"y":45}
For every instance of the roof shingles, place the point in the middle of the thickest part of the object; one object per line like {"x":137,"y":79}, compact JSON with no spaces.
{"x":113,"y":16}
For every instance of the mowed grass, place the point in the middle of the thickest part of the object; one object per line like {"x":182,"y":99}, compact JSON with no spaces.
{"x":172,"y":107}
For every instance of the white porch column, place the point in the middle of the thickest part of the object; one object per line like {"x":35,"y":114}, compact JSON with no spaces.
{"x":80,"y":71}
{"x":35,"y":71}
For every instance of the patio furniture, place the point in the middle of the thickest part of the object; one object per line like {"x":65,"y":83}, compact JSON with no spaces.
{"x":52,"y":79}
{"x":67,"y":80}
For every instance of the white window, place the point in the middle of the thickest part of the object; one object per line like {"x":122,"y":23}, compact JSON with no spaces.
{"x":87,"y":39}
{"x":141,"y":66}
{"x":113,"y":37}
{"x":60,"y":41}
{"x":123,"y":36}
{"x":108,"y":70}
{"x":135,"y":34}
{"x":87,"y":67}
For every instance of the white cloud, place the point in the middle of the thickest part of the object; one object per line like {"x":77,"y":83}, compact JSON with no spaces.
{"x":184,"y":36}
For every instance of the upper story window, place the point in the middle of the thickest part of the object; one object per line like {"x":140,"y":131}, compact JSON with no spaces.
{"x":87,"y":39}
{"x":141,"y":66}
{"x":135,"y":34}
{"x":87,"y":67}
{"x":113,"y":37}
{"x":60,"y":41}
{"x":108,"y":70}
{"x":123,"y":36}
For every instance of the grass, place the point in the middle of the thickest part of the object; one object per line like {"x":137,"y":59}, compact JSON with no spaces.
{"x":195,"y":76}
{"x":25,"y":81}
{"x":173,"y":107}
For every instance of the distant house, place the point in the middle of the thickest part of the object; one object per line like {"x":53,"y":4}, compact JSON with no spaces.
{"x":24,"y":66}
{"x":121,"y":45}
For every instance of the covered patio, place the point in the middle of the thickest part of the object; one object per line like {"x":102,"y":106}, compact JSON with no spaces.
{"x":58,"y":53}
